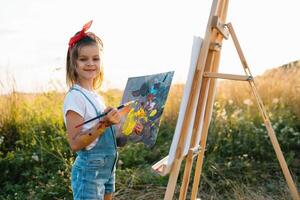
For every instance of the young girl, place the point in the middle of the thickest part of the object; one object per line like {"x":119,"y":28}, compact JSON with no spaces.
{"x":93,"y":172}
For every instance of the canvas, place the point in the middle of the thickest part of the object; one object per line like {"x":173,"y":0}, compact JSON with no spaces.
{"x":149,"y":94}
{"x":163,"y":166}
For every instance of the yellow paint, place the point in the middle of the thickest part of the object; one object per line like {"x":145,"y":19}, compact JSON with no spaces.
{"x":85,"y":139}
{"x":129,"y":123}
{"x":153,"y":112}
{"x":141,"y":114}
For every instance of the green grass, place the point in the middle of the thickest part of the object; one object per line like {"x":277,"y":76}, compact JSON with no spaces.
{"x":240,"y":163}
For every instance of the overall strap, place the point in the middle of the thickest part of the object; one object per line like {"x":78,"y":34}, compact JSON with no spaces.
{"x":112,"y":130}
{"x":97,"y":113}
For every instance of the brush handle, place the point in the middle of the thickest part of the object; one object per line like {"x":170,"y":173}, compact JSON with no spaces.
{"x":103,"y":114}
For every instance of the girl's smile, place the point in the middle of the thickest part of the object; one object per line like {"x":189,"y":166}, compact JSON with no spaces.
{"x":88,"y":65}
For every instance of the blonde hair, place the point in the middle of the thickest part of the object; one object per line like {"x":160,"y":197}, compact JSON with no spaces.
{"x":72,"y":55}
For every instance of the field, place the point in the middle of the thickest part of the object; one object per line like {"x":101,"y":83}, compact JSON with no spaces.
{"x":240,"y":163}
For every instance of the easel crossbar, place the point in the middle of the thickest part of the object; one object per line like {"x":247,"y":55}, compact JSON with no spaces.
{"x":227,"y":76}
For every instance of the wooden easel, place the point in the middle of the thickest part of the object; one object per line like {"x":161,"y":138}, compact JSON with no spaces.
{"x":204,"y":77}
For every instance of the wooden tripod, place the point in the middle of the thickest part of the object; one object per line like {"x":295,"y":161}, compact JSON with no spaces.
{"x":204,"y":78}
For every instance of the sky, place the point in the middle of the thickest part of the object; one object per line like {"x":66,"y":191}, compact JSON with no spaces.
{"x":140,"y":37}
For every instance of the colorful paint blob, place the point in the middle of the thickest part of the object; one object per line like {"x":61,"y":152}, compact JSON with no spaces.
{"x":150,"y":94}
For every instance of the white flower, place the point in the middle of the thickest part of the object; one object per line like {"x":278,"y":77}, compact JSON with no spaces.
{"x":248,"y":102}
{"x":222,"y":113}
{"x":35,"y":157}
{"x":236,"y":113}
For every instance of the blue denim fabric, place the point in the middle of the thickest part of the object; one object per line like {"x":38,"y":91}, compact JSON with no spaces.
{"x":93,"y":172}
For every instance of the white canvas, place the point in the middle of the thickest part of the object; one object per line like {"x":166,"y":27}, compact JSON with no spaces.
{"x":166,"y":163}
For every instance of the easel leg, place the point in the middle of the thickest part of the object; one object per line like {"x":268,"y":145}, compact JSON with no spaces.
{"x":198,"y":171}
{"x":186,"y":175}
{"x":201,"y":107}
{"x":205,"y":105}
{"x":199,"y":164}
{"x":173,"y":180}
{"x":276,"y":146}
{"x":207,"y":118}
{"x":266,"y":119}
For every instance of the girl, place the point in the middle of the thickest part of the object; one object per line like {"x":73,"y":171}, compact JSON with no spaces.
{"x":93,"y":172}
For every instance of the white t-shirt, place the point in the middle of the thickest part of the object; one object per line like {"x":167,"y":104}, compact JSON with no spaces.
{"x":78,"y":103}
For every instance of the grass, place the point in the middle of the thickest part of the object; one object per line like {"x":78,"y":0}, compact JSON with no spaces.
{"x":240,"y":163}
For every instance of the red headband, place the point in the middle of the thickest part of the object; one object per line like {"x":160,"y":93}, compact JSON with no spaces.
{"x":80,"y":35}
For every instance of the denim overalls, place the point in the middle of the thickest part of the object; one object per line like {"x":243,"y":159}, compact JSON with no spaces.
{"x":93,"y":172}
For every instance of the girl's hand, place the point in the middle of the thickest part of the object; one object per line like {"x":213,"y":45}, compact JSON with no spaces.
{"x":138,"y":128}
{"x":113,"y":116}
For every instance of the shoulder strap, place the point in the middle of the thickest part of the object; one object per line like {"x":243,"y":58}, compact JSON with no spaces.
{"x":97,"y":113}
{"x":111,"y":128}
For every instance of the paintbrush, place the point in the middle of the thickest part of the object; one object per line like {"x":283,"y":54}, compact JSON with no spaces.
{"x":103,"y":114}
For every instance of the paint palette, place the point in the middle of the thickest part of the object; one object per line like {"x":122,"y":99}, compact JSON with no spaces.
{"x":150,"y":94}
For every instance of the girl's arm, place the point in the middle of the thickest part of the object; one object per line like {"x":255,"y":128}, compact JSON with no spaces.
{"x":79,"y":139}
